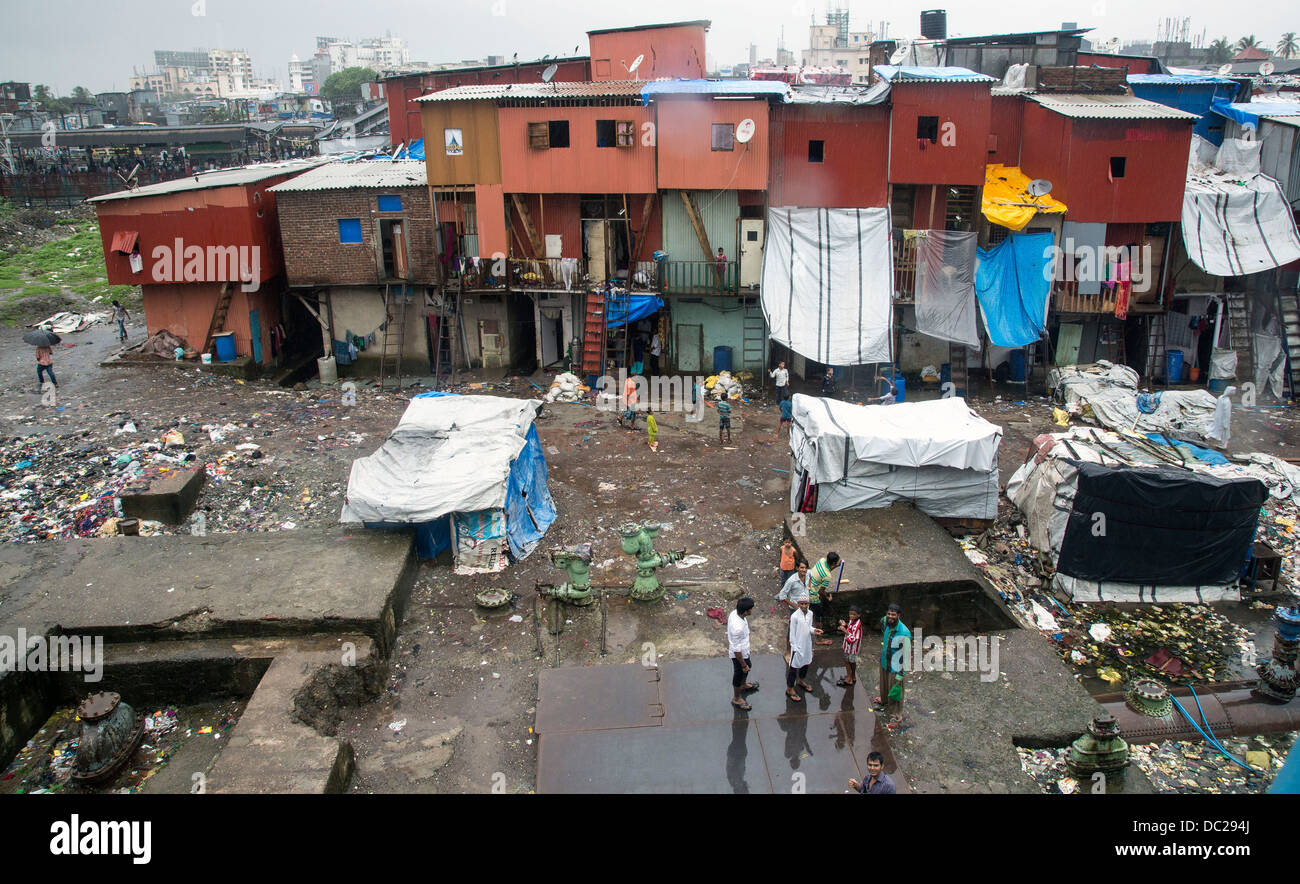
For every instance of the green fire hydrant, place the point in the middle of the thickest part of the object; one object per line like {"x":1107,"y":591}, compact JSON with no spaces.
{"x":576,"y":560}
{"x":638,"y":540}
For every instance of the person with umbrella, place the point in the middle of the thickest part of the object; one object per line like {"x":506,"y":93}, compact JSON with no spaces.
{"x":43,"y":341}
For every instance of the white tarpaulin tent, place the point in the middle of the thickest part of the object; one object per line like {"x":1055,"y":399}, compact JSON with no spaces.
{"x":1110,"y":393}
{"x":939,"y":454}
{"x":447,"y":454}
{"x":828,"y":277}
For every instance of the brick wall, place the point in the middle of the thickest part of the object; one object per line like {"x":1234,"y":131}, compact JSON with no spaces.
{"x":313,"y":254}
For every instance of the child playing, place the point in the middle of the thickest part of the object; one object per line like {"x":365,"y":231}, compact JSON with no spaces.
{"x":724,"y":419}
{"x":787,"y":560}
{"x":852,"y":646}
{"x":787,"y":417}
{"x":652,"y":427}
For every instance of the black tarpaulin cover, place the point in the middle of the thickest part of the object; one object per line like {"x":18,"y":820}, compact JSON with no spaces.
{"x":1161,"y":526}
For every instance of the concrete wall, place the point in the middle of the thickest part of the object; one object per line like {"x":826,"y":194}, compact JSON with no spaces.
{"x":723,"y":321}
{"x":475,"y":307}
{"x":360,"y":310}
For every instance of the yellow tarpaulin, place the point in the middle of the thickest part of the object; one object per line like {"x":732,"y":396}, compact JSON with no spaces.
{"x":1007,"y":200}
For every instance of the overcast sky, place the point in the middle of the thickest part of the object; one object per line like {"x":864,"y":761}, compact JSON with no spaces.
{"x":67,"y":43}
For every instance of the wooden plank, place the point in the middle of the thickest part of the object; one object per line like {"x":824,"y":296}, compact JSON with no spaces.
{"x":645,"y":223}
{"x":533,"y":238}
{"x":700,"y":233}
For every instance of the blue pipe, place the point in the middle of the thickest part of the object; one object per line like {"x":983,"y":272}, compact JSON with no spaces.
{"x":1209,"y":738}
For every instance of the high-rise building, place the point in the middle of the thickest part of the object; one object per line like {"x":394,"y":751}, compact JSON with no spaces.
{"x":833,"y":45}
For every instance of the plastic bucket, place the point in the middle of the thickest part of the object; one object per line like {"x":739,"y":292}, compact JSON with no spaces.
{"x":721,"y":359}
{"x":328,"y":369}
{"x":224,"y":345}
{"x":206,"y":357}
{"x":1174,"y":366}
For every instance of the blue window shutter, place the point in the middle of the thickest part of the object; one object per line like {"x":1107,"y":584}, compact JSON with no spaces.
{"x":349,"y":230}
{"x":390,"y":203}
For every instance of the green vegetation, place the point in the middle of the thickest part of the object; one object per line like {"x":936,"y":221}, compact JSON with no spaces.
{"x":346,"y":84}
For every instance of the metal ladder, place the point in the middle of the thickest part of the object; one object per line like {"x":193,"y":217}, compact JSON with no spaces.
{"x":443,"y":359}
{"x":390,"y":357}
{"x":1239,"y":337}
{"x":593,"y":335}
{"x":753,"y":341}
{"x":957,"y":373}
{"x":1288,"y":310}
{"x":1156,"y":344}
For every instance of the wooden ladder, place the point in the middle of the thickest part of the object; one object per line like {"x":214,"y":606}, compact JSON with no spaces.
{"x":390,"y":357}
{"x":593,"y":335}
{"x":219,"y":315}
{"x":1156,"y":345}
{"x":443,"y":358}
{"x":1288,"y":310}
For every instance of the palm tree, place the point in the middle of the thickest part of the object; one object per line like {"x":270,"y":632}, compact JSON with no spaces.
{"x":1287,"y":46}
{"x":1220,"y":51}
{"x":1251,"y":42}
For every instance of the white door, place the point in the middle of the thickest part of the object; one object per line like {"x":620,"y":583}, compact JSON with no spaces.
{"x":751,"y":252}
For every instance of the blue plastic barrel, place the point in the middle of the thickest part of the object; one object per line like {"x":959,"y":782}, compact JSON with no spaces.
{"x":1218,"y":385}
{"x":1017,"y":366}
{"x":900,"y":383}
{"x":1174,"y":366}
{"x":721,"y":359}
{"x":224,"y":344}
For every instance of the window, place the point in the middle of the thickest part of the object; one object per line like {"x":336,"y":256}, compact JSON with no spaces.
{"x":816,"y":151}
{"x":927,"y":129}
{"x":392,"y":247}
{"x":724,"y":136}
{"x":1117,"y":167}
{"x":548,"y":134}
{"x":390,"y":203}
{"x":615,"y":133}
{"x":349,"y":230}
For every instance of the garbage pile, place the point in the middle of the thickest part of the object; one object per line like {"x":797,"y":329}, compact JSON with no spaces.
{"x":566,"y":388}
{"x":164,"y":344}
{"x":724,"y":384}
{"x":1183,"y":768}
{"x":46,"y":763}
{"x":67,"y":323}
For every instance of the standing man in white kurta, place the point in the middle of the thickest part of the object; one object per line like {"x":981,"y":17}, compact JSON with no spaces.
{"x":801,"y":649}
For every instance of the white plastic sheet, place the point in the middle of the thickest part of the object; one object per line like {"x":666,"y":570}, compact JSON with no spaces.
{"x":1235,"y":230}
{"x":945,"y":286}
{"x":828,"y":283}
{"x":1238,"y":157}
{"x":1270,"y":362}
{"x":447,"y":454}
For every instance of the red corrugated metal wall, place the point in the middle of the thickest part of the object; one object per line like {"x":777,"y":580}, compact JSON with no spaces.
{"x":686,"y":156}
{"x":582,"y":167}
{"x":963,"y":112}
{"x":1006,"y":114}
{"x":855,"y":162}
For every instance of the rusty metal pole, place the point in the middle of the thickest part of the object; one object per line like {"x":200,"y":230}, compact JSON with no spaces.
{"x":603,"y":652}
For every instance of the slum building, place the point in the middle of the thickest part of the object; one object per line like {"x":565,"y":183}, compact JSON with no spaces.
{"x":360,"y":250}
{"x":206,"y":252}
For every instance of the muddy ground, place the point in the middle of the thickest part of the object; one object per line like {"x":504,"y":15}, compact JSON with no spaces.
{"x":462,"y":696}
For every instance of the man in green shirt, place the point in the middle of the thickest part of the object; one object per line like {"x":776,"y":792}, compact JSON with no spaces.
{"x":820,"y":591}
{"x":895,"y":658}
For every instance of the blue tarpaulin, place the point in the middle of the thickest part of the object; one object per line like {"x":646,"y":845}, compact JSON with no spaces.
{"x":529,"y":507}
{"x":1206,"y":455}
{"x":1190,"y":93}
{"x":1247,"y":113}
{"x":629,"y":308}
{"x":1012,"y":281}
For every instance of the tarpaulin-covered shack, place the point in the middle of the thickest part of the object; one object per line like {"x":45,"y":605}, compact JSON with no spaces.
{"x":1124,"y":519}
{"x":940,"y":455}
{"x":466,"y":471}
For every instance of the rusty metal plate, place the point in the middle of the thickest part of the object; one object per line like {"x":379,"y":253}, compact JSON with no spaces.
{"x":585,"y":698}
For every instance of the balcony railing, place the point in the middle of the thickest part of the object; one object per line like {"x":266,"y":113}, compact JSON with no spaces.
{"x":904,"y":269}
{"x":568,"y":274}
{"x":699,"y":277}
{"x":1066,"y":299}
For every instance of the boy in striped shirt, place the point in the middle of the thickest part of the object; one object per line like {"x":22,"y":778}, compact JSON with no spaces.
{"x":820,"y":592}
{"x":852,"y":646}
{"x":724,"y":419}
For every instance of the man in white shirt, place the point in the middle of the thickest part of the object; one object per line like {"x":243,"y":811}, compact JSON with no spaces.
{"x":782,"y":378}
{"x":801,"y":650}
{"x":656,"y":350}
{"x":796,"y":587}
{"x":738,"y":651}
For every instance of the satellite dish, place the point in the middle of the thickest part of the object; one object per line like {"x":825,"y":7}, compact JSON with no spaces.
{"x":1039,"y":187}
{"x":549,"y":73}
{"x":1266,"y":68}
{"x":636,"y":64}
{"x":744,"y":130}
{"x":1224,"y":70}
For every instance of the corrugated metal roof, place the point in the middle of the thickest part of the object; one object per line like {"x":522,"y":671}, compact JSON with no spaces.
{"x":555,"y":90}
{"x":1180,"y":80}
{"x":852,"y":95}
{"x":1109,"y":107}
{"x":921,"y":74}
{"x":765,"y":88}
{"x":358,"y":175}
{"x":218,"y":178}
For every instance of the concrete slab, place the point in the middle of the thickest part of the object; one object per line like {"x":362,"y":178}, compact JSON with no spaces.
{"x":704,"y":744}
{"x":170,"y":499}
{"x":900,"y":555}
{"x":598,"y":698}
{"x":265,"y":584}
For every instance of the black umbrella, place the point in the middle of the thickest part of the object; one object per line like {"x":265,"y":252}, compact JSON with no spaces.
{"x":39,"y":337}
